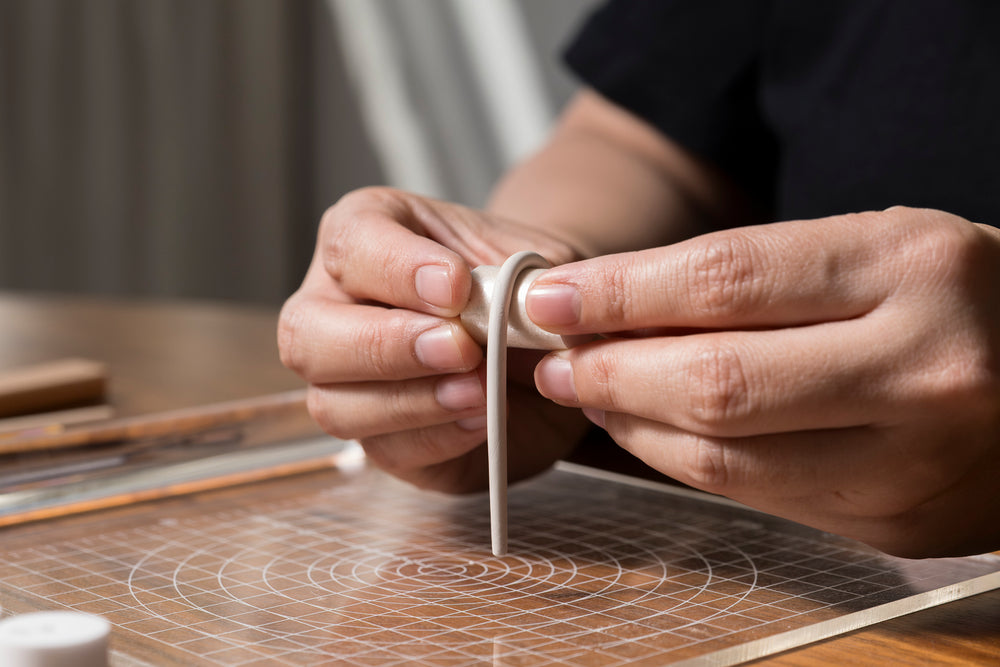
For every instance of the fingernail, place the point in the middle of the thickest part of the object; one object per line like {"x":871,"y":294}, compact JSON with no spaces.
{"x":433,"y":284}
{"x":554,"y":378}
{"x":460,"y":392}
{"x":472,"y":423}
{"x":437,"y":349}
{"x":594,"y":415}
{"x":553,"y":305}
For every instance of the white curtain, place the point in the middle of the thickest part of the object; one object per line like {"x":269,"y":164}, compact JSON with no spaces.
{"x":455,"y":91}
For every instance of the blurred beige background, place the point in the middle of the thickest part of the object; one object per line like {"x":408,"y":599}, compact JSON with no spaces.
{"x":186,"y":148}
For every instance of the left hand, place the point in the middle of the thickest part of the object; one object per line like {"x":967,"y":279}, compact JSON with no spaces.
{"x":389,"y":364}
{"x":843,"y":373}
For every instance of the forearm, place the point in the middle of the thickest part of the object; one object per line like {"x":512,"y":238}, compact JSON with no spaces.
{"x":606,"y":182}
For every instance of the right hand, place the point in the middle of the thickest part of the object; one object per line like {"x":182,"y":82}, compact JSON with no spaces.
{"x":374,"y":331}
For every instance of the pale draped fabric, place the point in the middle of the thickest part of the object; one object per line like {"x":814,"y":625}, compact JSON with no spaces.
{"x":188,"y":147}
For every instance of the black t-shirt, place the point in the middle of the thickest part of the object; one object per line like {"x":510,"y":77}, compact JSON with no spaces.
{"x":816,"y":107}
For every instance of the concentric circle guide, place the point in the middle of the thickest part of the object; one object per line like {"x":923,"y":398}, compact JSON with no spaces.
{"x":360,"y":569}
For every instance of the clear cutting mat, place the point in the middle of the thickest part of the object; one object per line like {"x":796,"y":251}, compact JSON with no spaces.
{"x":355,"y":568}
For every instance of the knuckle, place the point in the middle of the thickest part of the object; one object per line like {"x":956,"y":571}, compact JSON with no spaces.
{"x":719,"y":388}
{"x":966,"y":375}
{"x":401,"y":406}
{"x":291,"y":322}
{"x":709,"y":467}
{"x":321,"y":412}
{"x":722,"y":276}
{"x":617,"y":293}
{"x":374,"y":347}
{"x":944,"y":257}
{"x":602,"y":374}
{"x":948,"y":252}
{"x":367,"y":198}
{"x":341,"y":223}
{"x":336,"y":233}
{"x":938,"y":248}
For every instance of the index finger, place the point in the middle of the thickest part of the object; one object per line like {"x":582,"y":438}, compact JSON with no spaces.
{"x":370,"y":244}
{"x":781,"y":274}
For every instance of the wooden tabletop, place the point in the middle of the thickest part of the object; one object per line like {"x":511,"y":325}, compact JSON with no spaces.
{"x":166,"y":355}
{"x":162,"y":355}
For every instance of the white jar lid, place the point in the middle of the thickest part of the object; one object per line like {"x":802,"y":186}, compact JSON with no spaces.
{"x":54,"y":639}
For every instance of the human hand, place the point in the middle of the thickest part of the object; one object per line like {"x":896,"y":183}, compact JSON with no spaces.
{"x":373,"y":329}
{"x":842,"y":373}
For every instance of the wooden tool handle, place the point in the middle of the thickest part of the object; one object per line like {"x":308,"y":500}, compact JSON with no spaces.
{"x":51,"y":385}
{"x":285,"y":405}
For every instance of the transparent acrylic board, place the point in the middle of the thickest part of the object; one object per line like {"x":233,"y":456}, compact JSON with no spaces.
{"x":361,"y":569}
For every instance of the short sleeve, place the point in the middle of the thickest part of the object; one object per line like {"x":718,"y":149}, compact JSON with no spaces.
{"x":691,"y":68}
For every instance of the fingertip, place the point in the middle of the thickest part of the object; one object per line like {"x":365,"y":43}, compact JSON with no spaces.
{"x":554,"y":305}
{"x":475,"y":424}
{"x":435,"y":287}
{"x":443,"y":288}
{"x":597,"y":417}
{"x":374,"y":249}
{"x":447,"y":348}
{"x":554,"y":379}
{"x":460,"y":393}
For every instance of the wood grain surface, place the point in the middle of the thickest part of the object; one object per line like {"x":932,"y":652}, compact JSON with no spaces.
{"x":52,"y":385}
{"x":173,"y":355}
